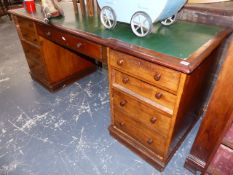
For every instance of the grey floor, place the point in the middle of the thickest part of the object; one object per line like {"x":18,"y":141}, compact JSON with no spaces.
{"x":62,"y":133}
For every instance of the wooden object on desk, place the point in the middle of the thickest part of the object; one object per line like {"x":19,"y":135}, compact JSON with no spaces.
{"x":215,"y":118}
{"x":51,"y":65}
{"x":157,"y":90}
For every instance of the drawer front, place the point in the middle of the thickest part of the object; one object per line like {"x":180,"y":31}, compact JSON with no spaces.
{"x":157,"y":75}
{"x":160,"y":96}
{"x":31,"y":52}
{"x":143,"y":114}
{"x":151,"y":140}
{"x":28,"y":31}
{"x":35,"y":61}
{"x":37,"y":69}
{"x":75,"y":43}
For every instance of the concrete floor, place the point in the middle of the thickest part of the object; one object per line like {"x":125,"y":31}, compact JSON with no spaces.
{"x":62,"y":133}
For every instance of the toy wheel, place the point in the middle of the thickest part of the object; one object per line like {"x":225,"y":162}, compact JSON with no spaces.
{"x":141,"y":24}
{"x":169,"y":21}
{"x":108,"y":17}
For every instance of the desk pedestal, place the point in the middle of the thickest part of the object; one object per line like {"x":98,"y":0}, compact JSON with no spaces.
{"x":50,"y":64}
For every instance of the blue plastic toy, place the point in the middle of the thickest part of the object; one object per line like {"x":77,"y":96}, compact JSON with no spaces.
{"x":141,"y":14}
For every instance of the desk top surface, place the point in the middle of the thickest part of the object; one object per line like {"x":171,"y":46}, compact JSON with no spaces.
{"x":180,"y":41}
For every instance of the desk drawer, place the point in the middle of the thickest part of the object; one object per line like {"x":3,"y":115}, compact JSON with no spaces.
{"x":146,"y":90}
{"x":157,"y":75}
{"x":31,"y":52}
{"x":34,"y":60}
{"x":37,"y":69}
{"x":27,"y":30}
{"x":146,"y":115}
{"x":151,"y":140}
{"x":78,"y":44}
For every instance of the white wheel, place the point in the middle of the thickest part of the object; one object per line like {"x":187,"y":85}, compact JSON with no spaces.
{"x":108,"y":17}
{"x":141,"y":24}
{"x":169,"y":21}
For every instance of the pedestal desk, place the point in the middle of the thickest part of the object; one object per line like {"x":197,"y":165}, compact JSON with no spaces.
{"x":157,"y":84}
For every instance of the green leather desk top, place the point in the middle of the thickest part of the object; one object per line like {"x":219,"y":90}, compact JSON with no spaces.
{"x":180,"y":40}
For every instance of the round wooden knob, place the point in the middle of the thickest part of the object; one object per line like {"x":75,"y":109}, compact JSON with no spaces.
{"x":153,"y":120}
{"x":149,"y":141}
{"x":79,"y":45}
{"x":123,"y":103}
{"x":158,"y":95}
{"x":122,"y":123}
{"x":48,"y":33}
{"x":125,"y":80}
{"x":120,"y":62}
{"x":157,"y":76}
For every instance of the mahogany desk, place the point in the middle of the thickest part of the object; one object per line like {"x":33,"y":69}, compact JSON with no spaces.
{"x":157,"y":83}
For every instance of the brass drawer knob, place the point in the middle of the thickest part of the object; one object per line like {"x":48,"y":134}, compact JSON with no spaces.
{"x":157,"y":76}
{"x":120,"y":62}
{"x":158,"y":95}
{"x":153,"y":120}
{"x":122,"y":123}
{"x":125,"y":80}
{"x":123,"y":103}
{"x":149,"y":141}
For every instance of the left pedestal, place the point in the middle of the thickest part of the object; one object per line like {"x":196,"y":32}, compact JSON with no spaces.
{"x":50,"y":64}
